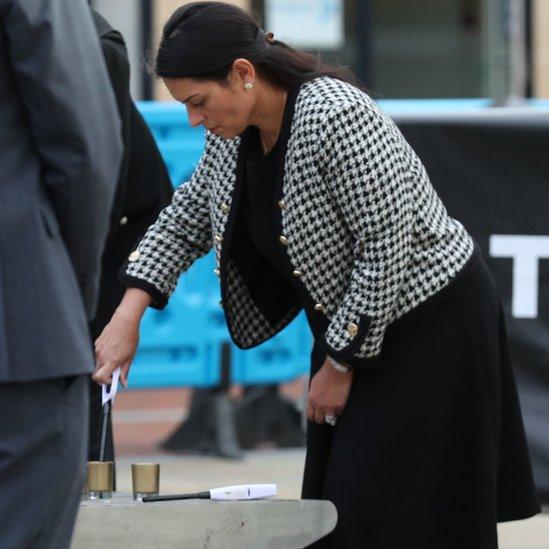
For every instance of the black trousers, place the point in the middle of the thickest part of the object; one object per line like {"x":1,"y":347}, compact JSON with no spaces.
{"x":430,"y":451}
{"x":43,"y":440}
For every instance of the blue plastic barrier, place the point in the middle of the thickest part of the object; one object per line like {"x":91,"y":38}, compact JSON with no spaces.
{"x":281,"y":358}
{"x":174,"y":348}
{"x":180,"y":144}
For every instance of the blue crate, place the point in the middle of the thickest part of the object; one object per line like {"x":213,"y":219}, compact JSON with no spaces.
{"x":200,"y":278}
{"x":282,"y":358}
{"x":168,"y":121}
{"x":175,"y":348}
{"x":180,"y":161}
{"x":185,"y":366}
{"x":180,"y":144}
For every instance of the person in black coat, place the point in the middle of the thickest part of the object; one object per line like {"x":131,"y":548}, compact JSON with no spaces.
{"x":144,"y":188}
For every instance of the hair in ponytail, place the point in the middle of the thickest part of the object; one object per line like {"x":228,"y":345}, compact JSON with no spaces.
{"x":202,"y":39}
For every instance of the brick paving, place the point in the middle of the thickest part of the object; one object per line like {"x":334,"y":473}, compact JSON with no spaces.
{"x":143,"y":419}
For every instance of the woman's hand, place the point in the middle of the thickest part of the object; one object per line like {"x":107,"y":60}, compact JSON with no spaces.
{"x":117,"y":344}
{"x":115,"y":348}
{"x":328,"y":393}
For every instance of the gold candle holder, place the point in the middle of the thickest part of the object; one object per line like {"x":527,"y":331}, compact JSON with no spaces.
{"x":100,"y":479}
{"x":145,"y":480}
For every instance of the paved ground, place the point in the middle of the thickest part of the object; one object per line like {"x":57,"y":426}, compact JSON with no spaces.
{"x":144,"y":418}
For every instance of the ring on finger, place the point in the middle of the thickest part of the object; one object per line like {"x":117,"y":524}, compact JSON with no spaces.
{"x":330,"y":419}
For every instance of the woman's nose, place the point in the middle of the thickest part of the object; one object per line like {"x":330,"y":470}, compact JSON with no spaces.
{"x":195,"y":118}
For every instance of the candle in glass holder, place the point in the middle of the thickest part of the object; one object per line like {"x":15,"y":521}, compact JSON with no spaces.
{"x":100,"y":479}
{"x":145,"y":480}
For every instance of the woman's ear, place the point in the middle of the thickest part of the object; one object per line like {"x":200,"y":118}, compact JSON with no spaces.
{"x":243,"y":72}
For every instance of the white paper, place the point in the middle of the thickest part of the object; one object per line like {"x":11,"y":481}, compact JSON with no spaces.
{"x":109,"y":395}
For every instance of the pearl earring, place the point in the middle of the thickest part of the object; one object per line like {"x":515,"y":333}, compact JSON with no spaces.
{"x":248,"y":86}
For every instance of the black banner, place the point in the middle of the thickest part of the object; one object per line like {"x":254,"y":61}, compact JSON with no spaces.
{"x":492,"y":172}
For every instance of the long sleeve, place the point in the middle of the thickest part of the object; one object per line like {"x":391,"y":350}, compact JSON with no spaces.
{"x":72,"y":115}
{"x":366,"y":168}
{"x":181,"y":234}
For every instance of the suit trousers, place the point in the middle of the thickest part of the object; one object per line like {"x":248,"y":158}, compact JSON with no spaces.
{"x":43,"y":445}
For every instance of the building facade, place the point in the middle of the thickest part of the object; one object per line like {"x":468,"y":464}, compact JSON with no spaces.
{"x":431,"y":49}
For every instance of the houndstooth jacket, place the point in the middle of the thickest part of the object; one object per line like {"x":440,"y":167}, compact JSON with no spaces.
{"x":365,"y":230}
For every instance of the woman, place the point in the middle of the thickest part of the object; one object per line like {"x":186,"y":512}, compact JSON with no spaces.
{"x":312,"y":199}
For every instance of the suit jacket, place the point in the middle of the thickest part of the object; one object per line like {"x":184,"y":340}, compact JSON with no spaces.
{"x":61,"y":148}
{"x":144,"y":185}
{"x":365,"y":231}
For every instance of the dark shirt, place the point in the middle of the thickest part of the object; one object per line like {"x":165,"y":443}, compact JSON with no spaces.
{"x":260,"y":219}
{"x":260,"y":211}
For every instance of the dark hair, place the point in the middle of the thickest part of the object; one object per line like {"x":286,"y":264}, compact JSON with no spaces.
{"x":202,"y":39}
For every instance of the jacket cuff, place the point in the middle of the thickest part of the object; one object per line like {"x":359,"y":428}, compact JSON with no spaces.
{"x":366,"y":362}
{"x":159,"y":300}
{"x":344,"y":341}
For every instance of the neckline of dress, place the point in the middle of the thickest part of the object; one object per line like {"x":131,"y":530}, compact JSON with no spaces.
{"x":286,"y":120}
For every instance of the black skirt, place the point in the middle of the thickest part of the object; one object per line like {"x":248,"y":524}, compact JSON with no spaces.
{"x":430,"y":452}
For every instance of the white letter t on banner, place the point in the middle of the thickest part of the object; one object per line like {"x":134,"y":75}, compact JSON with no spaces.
{"x":526,"y":251}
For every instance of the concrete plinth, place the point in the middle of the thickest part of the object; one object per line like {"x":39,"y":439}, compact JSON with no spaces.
{"x":123,"y":523}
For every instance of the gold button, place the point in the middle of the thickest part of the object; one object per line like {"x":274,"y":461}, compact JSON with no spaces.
{"x":134,"y":256}
{"x":297,"y":273}
{"x":216,"y":272}
{"x":218,"y":239}
{"x":123,"y":220}
{"x":282,"y":205}
{"x":224,"y":208}
{"x":352,"y":329}
{"x":319,"y":307}
{"x":283,"y":240}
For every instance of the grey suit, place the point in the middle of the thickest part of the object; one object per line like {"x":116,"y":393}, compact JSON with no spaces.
{"x":60,"y":151}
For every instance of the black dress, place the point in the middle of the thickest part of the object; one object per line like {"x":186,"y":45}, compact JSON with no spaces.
{"x":430,"y":452}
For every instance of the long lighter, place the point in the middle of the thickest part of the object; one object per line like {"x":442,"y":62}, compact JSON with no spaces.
{"x":226,"y":493}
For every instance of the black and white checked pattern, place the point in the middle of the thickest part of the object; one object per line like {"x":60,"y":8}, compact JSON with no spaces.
{"x":244,"y":319}
{"x":365,"y":226}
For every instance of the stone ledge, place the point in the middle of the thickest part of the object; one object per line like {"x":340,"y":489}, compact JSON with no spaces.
{"x":124,"y":523}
